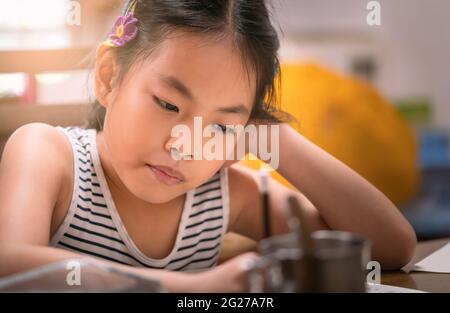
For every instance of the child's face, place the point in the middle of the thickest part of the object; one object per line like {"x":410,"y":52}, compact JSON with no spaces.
{"x":138,"y":129}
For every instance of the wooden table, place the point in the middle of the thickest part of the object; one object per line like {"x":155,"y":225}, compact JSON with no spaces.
{"x":432,"y":282}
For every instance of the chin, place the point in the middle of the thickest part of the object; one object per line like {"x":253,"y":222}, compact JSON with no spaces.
{"x":159,"y":199}
{"x":156,"y":194}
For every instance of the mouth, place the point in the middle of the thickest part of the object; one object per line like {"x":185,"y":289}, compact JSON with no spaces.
{"x":166,"y":174}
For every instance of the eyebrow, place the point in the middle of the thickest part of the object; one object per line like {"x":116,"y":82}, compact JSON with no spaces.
{"x":239,"y":109}
{"x":176,"y":84}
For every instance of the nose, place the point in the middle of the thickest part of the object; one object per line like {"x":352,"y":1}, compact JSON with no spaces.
{"x":178,"y":148}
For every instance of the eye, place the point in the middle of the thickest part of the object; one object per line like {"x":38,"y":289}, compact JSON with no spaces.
{"x":165,"y":105}
{"x":224,"y":129}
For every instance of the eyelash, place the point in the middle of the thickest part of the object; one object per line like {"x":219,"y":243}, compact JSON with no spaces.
{"x":173,"y":108}
{"x":165,"y":105}
{"x":224,"y":129}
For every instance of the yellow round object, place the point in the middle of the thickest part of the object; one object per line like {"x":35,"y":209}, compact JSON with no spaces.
{"x":350,"y":120}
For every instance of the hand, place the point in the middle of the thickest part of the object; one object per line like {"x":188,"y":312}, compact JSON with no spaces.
{"x":231,"y":276}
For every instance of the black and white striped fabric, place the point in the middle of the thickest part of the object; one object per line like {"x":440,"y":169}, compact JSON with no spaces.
{"x":93,"y":226}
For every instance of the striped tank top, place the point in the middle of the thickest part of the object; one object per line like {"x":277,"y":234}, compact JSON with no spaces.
{"x":92,"y":225}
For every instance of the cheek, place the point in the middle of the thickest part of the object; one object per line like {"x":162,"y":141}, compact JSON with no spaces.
{"x":135,"y":124}
{"x":202,"y":170}
{"x":127,"y":144}
{"x":121,"y":147}
{"x":134,"y":114}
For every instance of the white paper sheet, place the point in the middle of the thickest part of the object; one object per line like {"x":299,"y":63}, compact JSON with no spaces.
{"x":437,"y":262}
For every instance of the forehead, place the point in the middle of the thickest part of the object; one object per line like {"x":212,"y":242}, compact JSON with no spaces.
{"x":212,"y":69}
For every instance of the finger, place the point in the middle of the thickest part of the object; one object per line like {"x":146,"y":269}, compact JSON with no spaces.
{"x":247,"y":261}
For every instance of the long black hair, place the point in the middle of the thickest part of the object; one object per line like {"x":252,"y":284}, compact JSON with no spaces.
{"x":246,"y":22}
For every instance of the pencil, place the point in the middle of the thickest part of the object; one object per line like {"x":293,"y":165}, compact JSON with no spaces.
{"x":263,"y":174}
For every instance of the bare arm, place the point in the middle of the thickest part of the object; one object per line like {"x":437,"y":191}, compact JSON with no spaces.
{"x":336,"y":198}
{"x":345,"y":200}
{"x":16,"y":258}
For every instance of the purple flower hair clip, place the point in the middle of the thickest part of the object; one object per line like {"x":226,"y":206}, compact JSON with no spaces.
{"x":124,"y":31}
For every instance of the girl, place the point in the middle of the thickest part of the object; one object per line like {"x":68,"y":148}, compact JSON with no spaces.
{"x":113,"y":190}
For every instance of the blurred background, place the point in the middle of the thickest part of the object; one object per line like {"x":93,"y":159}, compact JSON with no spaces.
{"x":367,"y":80}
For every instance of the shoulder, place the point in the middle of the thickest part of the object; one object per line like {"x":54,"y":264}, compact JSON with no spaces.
{"x":240,"y":177}
{"x":243,"y":190}
{"x":40,"y":136}
{"x":35,"y":165}
{"x":39,"y":145}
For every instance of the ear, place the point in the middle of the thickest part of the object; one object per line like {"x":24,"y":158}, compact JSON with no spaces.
{"x":105,"y":73}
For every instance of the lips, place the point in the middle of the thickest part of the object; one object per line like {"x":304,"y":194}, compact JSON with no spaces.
{"x":166,"y":174}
